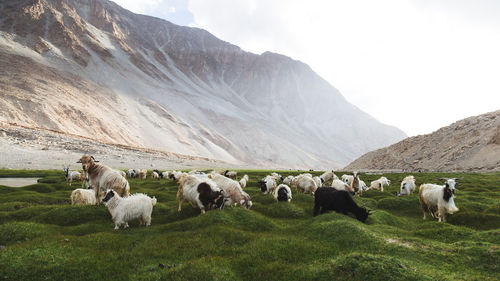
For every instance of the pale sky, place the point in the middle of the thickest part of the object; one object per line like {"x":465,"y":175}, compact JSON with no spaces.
{"x":416,"y":64}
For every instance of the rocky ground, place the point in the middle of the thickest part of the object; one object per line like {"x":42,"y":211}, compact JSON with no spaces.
{"x":26,"y":148}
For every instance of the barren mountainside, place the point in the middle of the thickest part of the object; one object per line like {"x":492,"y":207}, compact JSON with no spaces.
{"x":472,"y":144}
{"x":92,"y":68}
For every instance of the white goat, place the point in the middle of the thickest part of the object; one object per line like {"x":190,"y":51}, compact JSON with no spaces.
{"x":306,"y":184}
{"x":138,"y":206}
{"x":233,"y":190}
{"x":379,"y":184}
{"x":318,"y":181}
{"x":82,"y":196}
{"x":243,"y":181}
{"x":438,"y":199}
{"x":328,"y":176}
{"x":408,"y":185}
{"x":72,"y":175}
{"x":288,"y":180}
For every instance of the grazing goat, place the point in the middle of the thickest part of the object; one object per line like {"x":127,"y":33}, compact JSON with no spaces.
{"x":243,"y":181}
{"x":277,"y":176}
{"x":131,"y":173}
{"x":160,"y":174}
{"x":82,"y":196}
{"x":340,"y":201}
{"x":72,"y":175}
{"x":102,"y":178}
{"x":306,"y":184}
{"x":328,"y":176}
{"x":122,"y":173}
{"x":230,"y":174}
{"x":155,"y":175}
{"x":379,"y":184}
{"x":267,"y":184}
{"x":340,"y":185}
{"x":232,"y":188}
{"x":142,"y":173}
{"x":283,"y":193}
{"x":201,"y":193}
{"x":438,"y":198}
{"x":288,"y":180}
{"x":348,"y":179}
{"x":318,"y":181}
{"x":137,"y":206}
{"x":408,"y":185}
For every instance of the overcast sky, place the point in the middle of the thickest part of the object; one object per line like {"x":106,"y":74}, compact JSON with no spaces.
{"x":415,"y":64}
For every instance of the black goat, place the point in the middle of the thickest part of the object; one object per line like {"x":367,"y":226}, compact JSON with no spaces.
{"x":340,"y":201}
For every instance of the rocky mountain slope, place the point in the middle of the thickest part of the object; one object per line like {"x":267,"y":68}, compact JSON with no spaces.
{"x":472,"y":144}
{"x":92,"y":68}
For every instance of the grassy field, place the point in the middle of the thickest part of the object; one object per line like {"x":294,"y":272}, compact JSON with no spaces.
{"x":46,"y":238}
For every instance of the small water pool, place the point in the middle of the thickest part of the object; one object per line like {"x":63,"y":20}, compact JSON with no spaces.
{"x":18,"y":182}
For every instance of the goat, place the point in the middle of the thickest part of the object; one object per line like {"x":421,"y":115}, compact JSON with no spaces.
{"x":438,"y":198}
{"x":340,"y":201}
{"x":102,"y":178}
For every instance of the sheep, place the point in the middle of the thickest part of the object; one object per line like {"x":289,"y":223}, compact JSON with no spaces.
{"x":72,"y":175}
{"x":268,"y":184}
{"x":318,"y":181}
{"x":306,"y":184}
{"x":142,"y":173}
{"x":328,"y":176}
{"x":243,"y":181}
{"x":201,"y":193}
{"x":288,"y":180}
{"x":283,"y":193}
{"x":407,"y":185}
{"x":82,"y":196}
{"x":131,"y":173}
{"x":379,"y":184}
{"x":155,"y":175}
{"x":233,"y":190}
{"x":102,"y":178}
{"x":122,"y":210}
{"x":438,"y":198}
{"x":230,"y":174}
{"x":340,"y":201}
{"x":122,"y":173}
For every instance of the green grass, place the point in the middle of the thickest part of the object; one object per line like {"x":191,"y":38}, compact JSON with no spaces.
{"x":46,"y":238}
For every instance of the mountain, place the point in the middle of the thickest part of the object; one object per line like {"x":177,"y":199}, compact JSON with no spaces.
{"x":92,"y":68}
{"x":472,"y":144}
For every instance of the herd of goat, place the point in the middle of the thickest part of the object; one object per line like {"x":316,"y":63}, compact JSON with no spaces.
{"x":216,"y":190}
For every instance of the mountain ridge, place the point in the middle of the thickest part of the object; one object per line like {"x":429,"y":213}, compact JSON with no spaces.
{"x":470,"y":144}
{"x":176,"y":88}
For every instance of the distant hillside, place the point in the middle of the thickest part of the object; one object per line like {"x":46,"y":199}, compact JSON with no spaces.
{"x":92,"y":68}
{"x":472,"y":144}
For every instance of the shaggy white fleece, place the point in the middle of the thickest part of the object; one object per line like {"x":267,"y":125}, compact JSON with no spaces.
{"x":137,"y":206}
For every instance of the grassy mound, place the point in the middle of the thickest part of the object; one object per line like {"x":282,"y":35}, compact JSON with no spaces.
{"x":44,"y":237}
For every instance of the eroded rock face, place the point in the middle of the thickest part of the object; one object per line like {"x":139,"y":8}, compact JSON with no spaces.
{"x":92,"y":68}
{"x":472,"y":144}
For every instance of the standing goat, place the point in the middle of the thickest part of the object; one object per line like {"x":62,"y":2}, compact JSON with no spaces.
{"x":438,"y":199}
{"x":102,"y":178}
